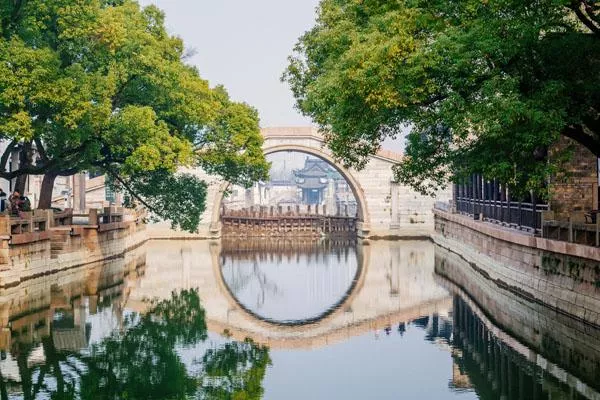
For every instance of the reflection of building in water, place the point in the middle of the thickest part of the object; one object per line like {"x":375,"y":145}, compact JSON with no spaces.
{"x":440,"y":331}
{"x":497,"y":370}
{"x":553,"y":350}
{"x":69,"y":329}
{"x":363,"y":305}
{"x":315,"y":183}
{"x":61,"y":313}
{"x":460,"y":379}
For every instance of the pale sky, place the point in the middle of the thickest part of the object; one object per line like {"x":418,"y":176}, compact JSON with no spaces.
{"x":244,"y":46}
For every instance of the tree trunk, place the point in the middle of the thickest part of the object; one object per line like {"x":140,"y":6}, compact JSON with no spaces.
{"x":25,"y":160}
{"x":46,"y":190}
{"x":20,"y":182}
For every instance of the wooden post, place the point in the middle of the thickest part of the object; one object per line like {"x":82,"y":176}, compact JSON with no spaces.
{"x":473,"y":195}
{"x":495,"y":198}
{"x":29,"y":217}
{"x":508,"y":207}
{"x":81,"y":189}
{"x":49,"y":215}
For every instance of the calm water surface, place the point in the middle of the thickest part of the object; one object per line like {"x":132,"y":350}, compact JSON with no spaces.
{"x":287,"y":319}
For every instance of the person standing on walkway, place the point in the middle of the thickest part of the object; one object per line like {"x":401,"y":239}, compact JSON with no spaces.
{"x":14,"y":203}
{"x":2,"y":200}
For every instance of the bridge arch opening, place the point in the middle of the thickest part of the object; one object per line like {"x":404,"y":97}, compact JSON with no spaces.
{"x":356,"y":191}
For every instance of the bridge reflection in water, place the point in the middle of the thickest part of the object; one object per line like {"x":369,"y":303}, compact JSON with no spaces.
{"x":290,"y":282}
{"x":326,"y":296}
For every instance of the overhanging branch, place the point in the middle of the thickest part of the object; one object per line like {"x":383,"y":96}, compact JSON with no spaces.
{"x":590,"y":23}
{"x":577,"y":133}
{"x":129,"y":189}
{"x":6,"y":154}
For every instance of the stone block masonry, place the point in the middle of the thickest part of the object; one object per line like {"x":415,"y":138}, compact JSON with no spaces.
{"x":562,"y":276}
{"x":27,"y":310}
{"x":64,"y":247}
{"x":576,"y":189}
{"x":543,"y":336}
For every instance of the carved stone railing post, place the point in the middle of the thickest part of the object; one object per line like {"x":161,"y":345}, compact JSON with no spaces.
{"x":93,"y":217}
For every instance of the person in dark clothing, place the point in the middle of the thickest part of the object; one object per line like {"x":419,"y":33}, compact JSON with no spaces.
{"x":2,"y":200}
{"x":25,"y":204}
{"x":15,"y":203}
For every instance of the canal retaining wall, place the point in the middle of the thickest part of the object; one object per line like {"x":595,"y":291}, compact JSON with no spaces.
{"x":27,"y":310}
{"x":556,"y":343}
{"x":24,"y":256}
{"x":560,"y":275}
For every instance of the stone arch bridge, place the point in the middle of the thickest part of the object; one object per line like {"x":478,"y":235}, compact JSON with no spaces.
{"x":385,"y":208}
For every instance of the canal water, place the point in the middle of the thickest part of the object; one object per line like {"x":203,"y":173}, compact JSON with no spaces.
{"x":287,"y":319}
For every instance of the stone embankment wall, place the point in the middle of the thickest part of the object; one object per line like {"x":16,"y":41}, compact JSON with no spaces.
{"x":562,"y":276}
{"x":28,"y":255}
{"x":549,"y":339}
{"x":27,"y":310}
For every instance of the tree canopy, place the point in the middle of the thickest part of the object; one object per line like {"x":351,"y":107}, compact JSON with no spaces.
{"x":484,"y":86}
{"x":99,"y":84}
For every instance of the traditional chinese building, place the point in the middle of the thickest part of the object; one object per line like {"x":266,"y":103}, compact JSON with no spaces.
{"x":313,"y":180}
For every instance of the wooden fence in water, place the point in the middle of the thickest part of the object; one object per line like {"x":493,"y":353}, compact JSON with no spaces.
{"x":289,"y":221}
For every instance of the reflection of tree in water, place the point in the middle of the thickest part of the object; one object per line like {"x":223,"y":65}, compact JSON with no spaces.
{"x":142,"y":361}
{"x":241,"y":280}
{"x":234,"y":371}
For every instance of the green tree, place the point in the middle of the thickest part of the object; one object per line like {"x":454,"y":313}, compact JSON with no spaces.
{"x":98,"y":84}
{"x":484,"y":86}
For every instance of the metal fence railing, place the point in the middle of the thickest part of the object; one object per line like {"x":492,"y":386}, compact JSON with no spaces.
{"x":518,"y":215}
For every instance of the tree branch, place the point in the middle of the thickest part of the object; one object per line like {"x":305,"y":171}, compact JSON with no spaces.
{"x":575,"y":6}
{"x":116,"y":97}
{"x":590,"y":11}
{"x":129,"y":188}
{"x":577,"y":133}
{"x":30,"y":170}
{"x":40,"y":149}
{"x":13,"y":17}
{"x":6,"y":154}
